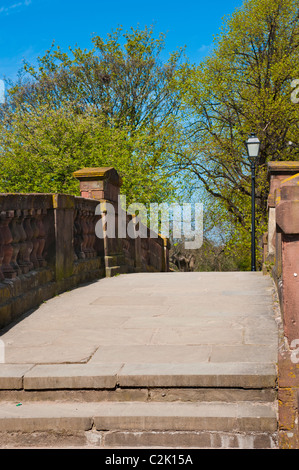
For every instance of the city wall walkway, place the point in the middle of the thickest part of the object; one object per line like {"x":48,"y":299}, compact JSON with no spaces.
{"x":176,"y":318}
{"x":206,"y":343}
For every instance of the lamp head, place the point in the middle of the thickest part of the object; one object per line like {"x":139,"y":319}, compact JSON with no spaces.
{"x":253,"y":147}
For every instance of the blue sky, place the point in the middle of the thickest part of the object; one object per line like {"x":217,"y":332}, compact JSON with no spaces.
{"x":28,"y":27}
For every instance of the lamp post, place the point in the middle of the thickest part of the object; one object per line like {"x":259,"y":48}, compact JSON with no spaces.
{"x":253,"y":149}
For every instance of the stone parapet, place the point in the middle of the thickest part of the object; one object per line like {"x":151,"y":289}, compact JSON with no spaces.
{"x":49,"y":242}
{"x":283,"y":251}
{"x":130,"y":246}
{"x":37,"y":251}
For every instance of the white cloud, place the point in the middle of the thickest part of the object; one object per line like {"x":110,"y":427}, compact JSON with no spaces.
{"x":11,"y":8}
{"x":206,"y":48}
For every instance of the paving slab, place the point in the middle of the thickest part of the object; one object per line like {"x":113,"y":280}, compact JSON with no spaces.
{"x":11,"y":375}
{"x":215,"y":307}
{"x":72,"y":376}
{"x":260,"y":336}
{"x":54,"y":354}
{"x":197,"y":336}
{"x":233,"y":375}
{"x":245,"y":353}
{"x":165,"y":318}
{"x":152,"y":354}
{"x":131,"y":300}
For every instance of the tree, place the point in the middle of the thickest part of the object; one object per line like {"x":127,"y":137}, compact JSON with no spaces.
{"x":244,"y":86}
{"x":109,"y":106}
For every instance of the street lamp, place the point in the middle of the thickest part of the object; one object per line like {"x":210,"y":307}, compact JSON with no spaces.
{"x":253,"y":149}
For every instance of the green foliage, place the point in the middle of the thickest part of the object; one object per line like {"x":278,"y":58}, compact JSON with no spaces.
{"x":110,"y":106}
{"x":43,"y":151}
{"x":244,"y":86}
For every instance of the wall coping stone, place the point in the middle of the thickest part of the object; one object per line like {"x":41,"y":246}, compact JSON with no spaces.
{"x":102,"y":173}
{"x":283,"y":167}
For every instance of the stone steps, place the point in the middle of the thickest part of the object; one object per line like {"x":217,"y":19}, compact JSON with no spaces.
{"x":145,"y":360}
{"x":228,"y":382}
{"x":202,"y":405}
{"x":136,"y":424}
{"x":29,"y":377}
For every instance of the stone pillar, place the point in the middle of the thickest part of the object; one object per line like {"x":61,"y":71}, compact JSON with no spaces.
{"x":62,"y":255}
{"x":99,"y":183}
{"x":277,"y":173}
{"x":103,"y":184}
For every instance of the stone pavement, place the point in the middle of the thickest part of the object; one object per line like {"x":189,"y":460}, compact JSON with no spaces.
{"x":174,"y":318}
{"x":188,"y":338}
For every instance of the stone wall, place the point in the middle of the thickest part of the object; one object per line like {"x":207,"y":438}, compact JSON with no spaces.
{"x":283,"y":254}
{"x":48,"y":243}
{"x":47,"y":246}
{"x":122,"y":252}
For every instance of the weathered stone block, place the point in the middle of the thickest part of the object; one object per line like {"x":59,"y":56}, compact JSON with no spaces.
{"x":158,"y":439}
{"x":11,"y":375}
{"x":99,"y":183}
{"x":71,"y":376}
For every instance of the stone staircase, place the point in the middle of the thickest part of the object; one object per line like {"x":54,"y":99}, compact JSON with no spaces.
{"x":169,"y":360}
{"x":204,"y":405}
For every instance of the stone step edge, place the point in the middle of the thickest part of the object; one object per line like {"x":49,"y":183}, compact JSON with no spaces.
{"x":136,"y":416}
{"x":93,"y":439}
{"x":144,"y":394}
{"x":109,"y":376}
